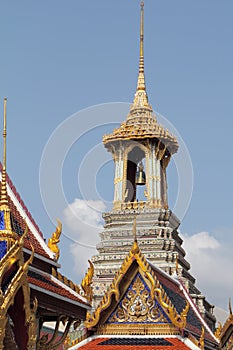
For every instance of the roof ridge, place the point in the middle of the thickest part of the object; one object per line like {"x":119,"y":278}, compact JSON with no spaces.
{"x":156,"y":290}
{"x":24,"y":212}
{"x":195,"y":308}
{"x":20,"y":200}
{"x":61,"y":283}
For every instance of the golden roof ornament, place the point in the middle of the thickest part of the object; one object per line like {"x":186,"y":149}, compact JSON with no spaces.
{"x":135,"y":248}
{"x":141,"y":98}
{"x":178,"y":320}
{"x":141,"y":123}
{"x":3,"y":199}
{"x":7,"y":236}
{"x":55,"y":239}
{"x":218,"y":331}
{"x":86,"y":283}
{"x":201,"y":343}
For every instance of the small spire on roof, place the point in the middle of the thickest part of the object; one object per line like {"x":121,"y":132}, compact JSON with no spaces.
{"x":3,"y":194}
{"x":7,"y":235}
{"x":135,"y":248}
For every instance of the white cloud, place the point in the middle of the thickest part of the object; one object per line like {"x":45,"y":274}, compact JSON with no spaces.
{"x":211,"y":262}
{"x":80,"y":257}
{"x":83,"y":219}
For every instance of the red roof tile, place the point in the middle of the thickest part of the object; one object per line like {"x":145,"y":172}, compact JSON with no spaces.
{"x":49,"y":283}
{"x":96,"y":344}
{"x":31,"y":239}
{"x":177,"y":293}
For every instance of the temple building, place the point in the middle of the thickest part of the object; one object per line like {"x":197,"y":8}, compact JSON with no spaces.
{"x":146,"y":308}
{"x":32,"y":291}
{"x":141,"y":149}
{"x":143,"y":295}
{"x":138,"y":292}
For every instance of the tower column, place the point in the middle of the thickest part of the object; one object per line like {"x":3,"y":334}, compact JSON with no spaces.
{"x":158,"y":181}
{"x":164,"y":163}
{"x":118,"y":181}
{"x":150,"y":175}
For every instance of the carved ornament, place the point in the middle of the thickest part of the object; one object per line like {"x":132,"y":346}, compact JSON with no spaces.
{"x":55,"y":239}
{"x":156,"y":291}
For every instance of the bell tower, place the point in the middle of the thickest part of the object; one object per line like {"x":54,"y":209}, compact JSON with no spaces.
{"x":141,"y":149}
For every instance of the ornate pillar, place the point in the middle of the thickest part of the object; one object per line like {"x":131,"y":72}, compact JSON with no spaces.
{"x":164,"y":163}
{"x":158,"y":182}
{"x":118,"y":181}
{"x":150,"y":171}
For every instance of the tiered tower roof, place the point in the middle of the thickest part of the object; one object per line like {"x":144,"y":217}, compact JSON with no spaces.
{"x":141,"y":123}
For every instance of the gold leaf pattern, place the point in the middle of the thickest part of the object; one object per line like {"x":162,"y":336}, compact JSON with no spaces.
{"x":137,"y":306}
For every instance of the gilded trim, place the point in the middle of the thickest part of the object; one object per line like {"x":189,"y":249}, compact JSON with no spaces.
{"x":156,"y":291}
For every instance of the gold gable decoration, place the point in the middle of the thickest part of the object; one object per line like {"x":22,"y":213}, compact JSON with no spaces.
{"x":15,"y":256}
{"x":86,"y":283}
{"x":156,"y":291}
{"x":137,"y":306}
{"x":225,"y":332}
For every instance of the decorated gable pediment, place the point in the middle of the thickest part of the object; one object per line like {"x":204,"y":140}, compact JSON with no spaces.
{"x":136,"y":302}
{"x":137,"y":306}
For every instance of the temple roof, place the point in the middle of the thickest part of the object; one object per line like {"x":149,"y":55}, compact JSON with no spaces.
{"x":143,"y":299}
{"x":225,"y":332}
{"x":134,"y":342}
{"x":22,"y":216}
{"x":142,"y":126}
{"x":179,"y":296}
{"x":49,"y":283}
{"x":42,"y":275}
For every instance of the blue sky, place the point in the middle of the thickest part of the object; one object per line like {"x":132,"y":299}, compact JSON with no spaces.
{"x":58,"y":58}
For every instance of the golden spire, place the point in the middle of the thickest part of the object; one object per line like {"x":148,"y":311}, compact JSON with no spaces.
{"x":141,"y":76}
{"x":141,"y":98}
{"x":3,"y":194}
{"x":5,"y":215}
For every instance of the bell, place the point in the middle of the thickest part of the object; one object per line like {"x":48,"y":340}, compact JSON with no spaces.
{"x":140,"y":178}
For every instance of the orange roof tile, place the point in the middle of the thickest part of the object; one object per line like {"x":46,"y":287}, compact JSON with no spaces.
{"x":49,"y":284}
{"x":171,"y":343}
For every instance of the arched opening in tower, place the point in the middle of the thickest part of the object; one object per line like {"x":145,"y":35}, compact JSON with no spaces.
{"x":135,"y":167}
